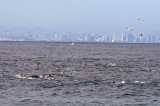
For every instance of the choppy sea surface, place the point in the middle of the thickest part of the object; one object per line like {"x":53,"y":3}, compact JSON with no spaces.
{"x":87,"y":74}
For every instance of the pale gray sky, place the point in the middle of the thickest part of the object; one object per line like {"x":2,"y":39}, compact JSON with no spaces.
{"x":77,"y":16}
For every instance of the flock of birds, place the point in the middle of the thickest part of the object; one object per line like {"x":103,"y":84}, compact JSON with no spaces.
{"x":123,"y":82}
{"x":53,"y":77}
{"x":44,"y":76}
{"x":140,"y":20}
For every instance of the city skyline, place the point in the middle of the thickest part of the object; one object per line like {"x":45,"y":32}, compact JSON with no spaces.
{"x":82,"y":37}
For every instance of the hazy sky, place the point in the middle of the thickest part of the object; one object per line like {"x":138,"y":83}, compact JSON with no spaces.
{"x":77,"y":16}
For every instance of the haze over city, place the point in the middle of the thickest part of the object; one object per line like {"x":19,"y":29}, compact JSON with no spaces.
{"x":80,"y":16}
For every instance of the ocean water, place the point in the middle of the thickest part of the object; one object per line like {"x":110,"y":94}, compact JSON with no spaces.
{"x":94,"y":74}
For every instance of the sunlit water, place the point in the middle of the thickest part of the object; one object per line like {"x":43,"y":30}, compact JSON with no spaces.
{"x":94,"y":74}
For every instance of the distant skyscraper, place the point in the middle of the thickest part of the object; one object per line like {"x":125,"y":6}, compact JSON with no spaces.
{"x":114,"y":37}
{"x":122,"y":37}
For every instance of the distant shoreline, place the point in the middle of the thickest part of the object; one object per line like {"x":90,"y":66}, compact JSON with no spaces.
{"x":86,"y":42}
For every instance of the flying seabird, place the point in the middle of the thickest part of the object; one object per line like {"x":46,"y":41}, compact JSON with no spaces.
{"x":140,"y":20}
{"x":52,"y":77}
{"x":141,"y":34}
{"x":129,"y":28}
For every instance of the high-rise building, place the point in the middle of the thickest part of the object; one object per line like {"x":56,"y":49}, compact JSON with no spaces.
{"x":122,"y":37}
{"x":114,"y":37}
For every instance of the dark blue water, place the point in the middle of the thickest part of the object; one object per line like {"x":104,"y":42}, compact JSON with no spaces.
{"x":94,"y":74}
